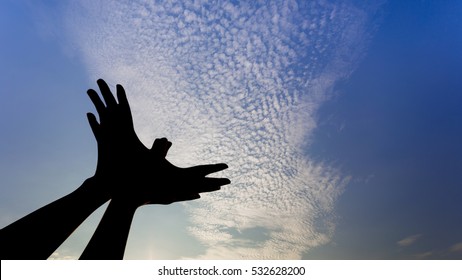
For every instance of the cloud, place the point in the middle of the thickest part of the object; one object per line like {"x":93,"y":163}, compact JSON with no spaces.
{"x":424,"y":255}
{"x":446,"y":253}
{"x":409,"y":240}
{"x":60,"y":256}
{"x":236,"y":83}
{"x":456,"y":248}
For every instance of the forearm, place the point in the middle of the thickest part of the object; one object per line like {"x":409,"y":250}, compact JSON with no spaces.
{"x":39,"y":234}
{"x":110,"y":238}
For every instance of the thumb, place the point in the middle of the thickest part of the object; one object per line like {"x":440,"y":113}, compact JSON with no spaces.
{"x":160,"y":147}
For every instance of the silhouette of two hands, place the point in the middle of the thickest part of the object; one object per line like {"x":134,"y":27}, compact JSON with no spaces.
{"x":131,"y":172}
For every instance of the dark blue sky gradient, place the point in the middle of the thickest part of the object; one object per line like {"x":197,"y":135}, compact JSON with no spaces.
{"x":396,"y":127}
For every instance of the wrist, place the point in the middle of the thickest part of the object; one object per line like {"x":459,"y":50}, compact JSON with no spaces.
{"x":124,"y":208}
{"x":94,"y":190}
{"x":127,"y":202}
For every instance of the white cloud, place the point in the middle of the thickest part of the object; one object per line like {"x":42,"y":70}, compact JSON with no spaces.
{"x":60,"y":256}
{"x":424,"y":255}
{"x":234,"y":83}
{"x":409,"y":240}
{"x":456,"y":248}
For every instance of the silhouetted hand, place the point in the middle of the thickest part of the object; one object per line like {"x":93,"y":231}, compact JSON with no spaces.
{"x":170,"y":183}
{"x":118,"y":144}
{"x":135,"y":175}
{"x":129,"y":170}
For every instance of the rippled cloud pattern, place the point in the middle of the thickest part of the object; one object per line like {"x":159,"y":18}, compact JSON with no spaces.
{"x":238,"y":83}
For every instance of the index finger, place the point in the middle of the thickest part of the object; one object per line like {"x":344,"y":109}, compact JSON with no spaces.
{"x":106,"y":93}
{"x":204,"y":170}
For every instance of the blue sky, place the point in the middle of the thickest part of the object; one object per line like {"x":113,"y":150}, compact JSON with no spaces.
{"x":396,"y":124}
{"x":340,"y":121}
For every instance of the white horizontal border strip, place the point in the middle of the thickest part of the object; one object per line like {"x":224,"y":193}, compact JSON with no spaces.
{"x":192,"y":269}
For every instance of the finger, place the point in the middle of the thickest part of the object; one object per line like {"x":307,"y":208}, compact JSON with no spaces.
{"x":93,"y":124}
{"x":211,"y":184}
{"x":122,"y":98}
{"x":158,"y":144}
{"x":204,"y":170}
{"x":176,"y":198}
{"x":99,"y":105}
{"x":186,"y":197}
{"x":106,"y":93}
{"x":160,"y":147}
